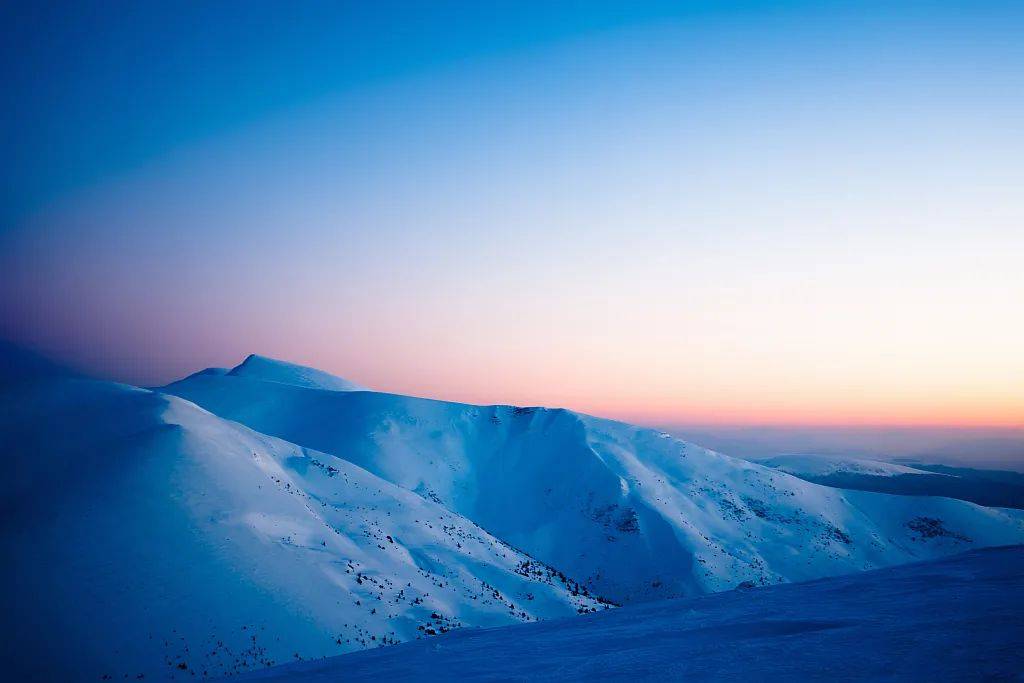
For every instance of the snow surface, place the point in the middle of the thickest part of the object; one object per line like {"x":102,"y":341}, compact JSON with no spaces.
{"x":806,"y":466}
{"x":955,"y":619}
{"x":633,"y":513}
{"x":272,"y":370}
{"x":147,"y":535}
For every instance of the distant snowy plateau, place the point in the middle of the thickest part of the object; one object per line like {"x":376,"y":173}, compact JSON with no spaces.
{"x":272,"y":514}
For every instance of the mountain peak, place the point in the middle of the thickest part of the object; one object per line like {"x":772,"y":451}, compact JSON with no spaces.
{"x":272,"y":370}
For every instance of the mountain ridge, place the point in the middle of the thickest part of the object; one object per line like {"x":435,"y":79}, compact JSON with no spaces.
{"x":241,"y":521}
{"x":690,"y":519}
{"x":227,"y":549}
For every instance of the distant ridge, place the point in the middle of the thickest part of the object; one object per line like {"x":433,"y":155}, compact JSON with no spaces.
{"x":809,"y":466}
{"x":273,"y":370}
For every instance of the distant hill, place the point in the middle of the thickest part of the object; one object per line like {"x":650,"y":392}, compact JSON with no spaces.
{"x":994,"y":488}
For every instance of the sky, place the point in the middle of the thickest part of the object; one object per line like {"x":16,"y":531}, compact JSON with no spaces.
{"x":664,"y":212}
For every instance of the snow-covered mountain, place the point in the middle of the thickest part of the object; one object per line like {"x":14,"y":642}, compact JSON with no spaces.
{"x":954,"y":619}
{"x":245,"y":517}
{"x":633,"y":513}
{"x":272,"y":370}
{"x":809,"y":466}
{"x":146,"y":536}
{"x":993,"y":488}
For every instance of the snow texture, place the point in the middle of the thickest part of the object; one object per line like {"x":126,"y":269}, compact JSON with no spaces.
{"x":240,"y":519}
{"x":955,"y":619}
{"x":271,"y":370}
{"x":149,"y":537}
{"x":582,"y":493}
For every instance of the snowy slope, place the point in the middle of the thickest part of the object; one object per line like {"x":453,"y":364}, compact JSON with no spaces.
{"x":271,"y":370}
{"x":633,"y":513}
{"x":145,"y":536}
{"x":954,"y":619}
{"x":809,"y":466}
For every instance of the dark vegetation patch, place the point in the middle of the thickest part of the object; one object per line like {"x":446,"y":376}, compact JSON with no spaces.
{"x":762,"y":510}
{"x":614,"y":516}
{"x":329,"y":470}
{"x":836,"y":534}
{"x":732,"y":510}
{"x":929,"y":527}
{"x":538,"y":571}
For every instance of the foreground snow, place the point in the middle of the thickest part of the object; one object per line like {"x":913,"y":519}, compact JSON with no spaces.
{"x":960,"y":618}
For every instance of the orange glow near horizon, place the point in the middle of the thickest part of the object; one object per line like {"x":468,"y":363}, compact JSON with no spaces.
{"x":632,"y":391}
{"x":649,"y":224}
{"x":941,"y":412}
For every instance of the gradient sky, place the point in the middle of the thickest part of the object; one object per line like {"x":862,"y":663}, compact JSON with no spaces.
{"x":666,"y":212}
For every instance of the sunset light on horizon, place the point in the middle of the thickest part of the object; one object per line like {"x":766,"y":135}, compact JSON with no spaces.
{"x":512,"y":340}
{"x":680,"y":213}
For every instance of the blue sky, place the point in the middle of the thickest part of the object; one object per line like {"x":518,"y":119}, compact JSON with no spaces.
{"x":98,"y":88}
{"x":671,"y":212}
{"x":101,"y":87}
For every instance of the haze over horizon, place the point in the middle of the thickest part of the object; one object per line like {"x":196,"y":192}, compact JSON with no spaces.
{"x":958,"y":446}
{"x":674,"y":214}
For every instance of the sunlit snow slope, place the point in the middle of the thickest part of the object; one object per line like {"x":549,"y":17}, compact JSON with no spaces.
{"x":633,"y":513}
{"x":271,"y":370}
{"x":146,"y":537}
{"x":291,"y":517}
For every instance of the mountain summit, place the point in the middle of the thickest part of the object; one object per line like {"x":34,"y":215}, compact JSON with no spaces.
{"x":273,"y":370}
